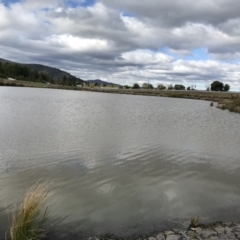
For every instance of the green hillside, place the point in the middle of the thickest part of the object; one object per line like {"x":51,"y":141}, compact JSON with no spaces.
{"x":36,"y":73}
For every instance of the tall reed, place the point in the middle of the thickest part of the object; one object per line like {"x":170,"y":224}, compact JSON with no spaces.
{"x":28,"y":222}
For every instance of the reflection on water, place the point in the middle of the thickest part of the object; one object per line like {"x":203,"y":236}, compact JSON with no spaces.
{"x":118,"y":163}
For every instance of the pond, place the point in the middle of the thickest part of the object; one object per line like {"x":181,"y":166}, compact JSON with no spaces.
{"x":118,"y":164}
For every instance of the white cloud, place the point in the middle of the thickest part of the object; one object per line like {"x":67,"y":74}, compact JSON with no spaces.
{"x":146,"y":57}
{"x":43,"y":4}
{"x":151,"y":39}
{"x":78,"y":44}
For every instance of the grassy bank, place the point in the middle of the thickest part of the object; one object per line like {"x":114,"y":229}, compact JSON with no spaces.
{"x":226,"y":100}
{"x":18,"y":83}
{"x":232,"y":104}
{"x":200,"y":95}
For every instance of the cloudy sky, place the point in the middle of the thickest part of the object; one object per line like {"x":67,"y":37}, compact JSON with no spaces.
{"x":127,"y":41}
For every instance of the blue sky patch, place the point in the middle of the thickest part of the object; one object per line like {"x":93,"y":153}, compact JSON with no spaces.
{"x":198,"y":54}
{"x":77,"y":3}
{"x":9,"y":2}
{"x":126,"y":14}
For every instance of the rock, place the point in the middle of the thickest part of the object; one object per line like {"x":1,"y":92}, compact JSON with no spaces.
{"x":227,"y":236}
{"x":151,"y":238}
{"x":222,"y":236}
{"x":237,"y":233}
{"x":160,"y":236}
{"x":229,"y":224}
{"x":199,"y":231}
{"x":173,"y":237}
{"x":184,"y":235}
{"x":238,"y":236}
{"x":228,"y":229}
{"x":236,"y":228}
{"x":169,"y":232}
{"x":230,"y":235}
{"x":198,"y":237}
{"x":213,"y":238}
{"x":220,"y":230}
{"x":206,"y":233}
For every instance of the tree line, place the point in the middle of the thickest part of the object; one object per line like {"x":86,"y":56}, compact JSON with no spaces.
{"x":24,"y":73}
{"x":21,"y":72}
{"x":160,"y":86}
{"x":215,"y":86}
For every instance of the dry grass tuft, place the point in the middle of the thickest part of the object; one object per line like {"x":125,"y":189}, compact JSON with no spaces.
{"x":234,"y":106}
{"x":195,"y":221}
{"x":27,"y":223}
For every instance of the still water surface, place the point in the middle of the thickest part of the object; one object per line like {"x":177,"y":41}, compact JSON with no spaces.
{"x":119,"y":163}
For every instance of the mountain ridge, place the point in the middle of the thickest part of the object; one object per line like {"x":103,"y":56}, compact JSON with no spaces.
{"x":99,"y":81}
{"x":56,"y":73}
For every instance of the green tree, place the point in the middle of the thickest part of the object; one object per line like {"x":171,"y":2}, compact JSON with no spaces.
{"x":22,"y":72}
{"x":147,"y":86}
{"x":179,"y":87}
{"x":161,"y":87}
{"x":136,"y":86}
{"x":64,"y":80}
{"x":226,"y":87}
{"x":150,"y":86}
{"x":217,"y":86}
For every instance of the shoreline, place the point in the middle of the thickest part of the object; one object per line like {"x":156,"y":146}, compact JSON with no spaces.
{"x":212,"y":231}
{"x":225,"y":100}
{"x":188,"y":94}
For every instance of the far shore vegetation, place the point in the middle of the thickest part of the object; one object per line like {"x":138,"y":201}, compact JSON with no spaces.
{"x":225,"y":99}
{"x":16,"y":75}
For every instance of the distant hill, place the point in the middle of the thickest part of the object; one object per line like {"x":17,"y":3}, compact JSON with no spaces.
{"x":4,"y":60}
{"x":55,"y":73}
{"x":99,"y":81}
